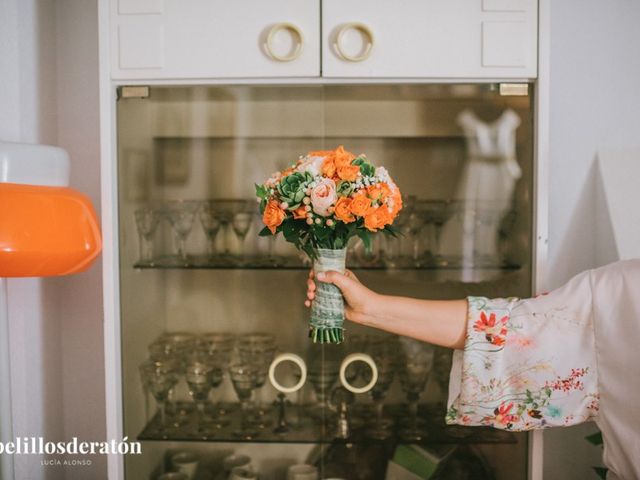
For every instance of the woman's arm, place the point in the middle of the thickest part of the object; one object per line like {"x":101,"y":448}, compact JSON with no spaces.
{"x":440,"y":322}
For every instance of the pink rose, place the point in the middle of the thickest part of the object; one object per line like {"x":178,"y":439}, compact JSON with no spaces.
{"x":323,"y":196}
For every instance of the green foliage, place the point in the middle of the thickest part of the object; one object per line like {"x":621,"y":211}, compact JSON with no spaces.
{"x":344,"y":188}
{"x":367,"y":169}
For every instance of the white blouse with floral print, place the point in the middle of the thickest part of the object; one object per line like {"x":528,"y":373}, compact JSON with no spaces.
{"x":553,"y":361}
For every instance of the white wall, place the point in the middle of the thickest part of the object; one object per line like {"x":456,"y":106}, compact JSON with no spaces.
{"x":49,"y":94}
{"x":28,"y":106}
{"x":595,"y":103}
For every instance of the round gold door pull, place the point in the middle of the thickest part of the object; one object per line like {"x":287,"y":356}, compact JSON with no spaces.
{"x":297,"y":35}
{"x":366,"y":33}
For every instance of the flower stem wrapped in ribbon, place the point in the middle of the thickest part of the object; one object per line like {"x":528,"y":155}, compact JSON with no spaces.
{"x":320,"y":203}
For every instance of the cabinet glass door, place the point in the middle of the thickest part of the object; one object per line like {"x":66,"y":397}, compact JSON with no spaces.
{"x":206,"y":304}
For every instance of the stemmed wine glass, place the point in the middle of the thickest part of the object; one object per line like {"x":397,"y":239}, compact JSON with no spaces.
{"x":323,"y":375}
{"x":159,"y":377}
{"x":147,"y":220}
{"x":438,"y":213}
{"x":417,"y":361}
{"x":383,"y":352}
{"x":200,"y":376}
{"x":415,"y":224}
{"x":243,"y":378}
{"x":241,"y":224}
{"x":218,"y":348}
{"x":258,"y":349}
{"x":211,"y":224}
{"x":181,"y":215}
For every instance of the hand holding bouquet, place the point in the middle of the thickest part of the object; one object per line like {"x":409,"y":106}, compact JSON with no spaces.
{"x":319,"y":203}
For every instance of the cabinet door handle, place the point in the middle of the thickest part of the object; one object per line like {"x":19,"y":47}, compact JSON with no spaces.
{"x":297,"y":35}
{"x":364,"y":31}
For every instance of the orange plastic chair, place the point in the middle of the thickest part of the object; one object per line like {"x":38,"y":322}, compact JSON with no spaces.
{"x":46,"y":231}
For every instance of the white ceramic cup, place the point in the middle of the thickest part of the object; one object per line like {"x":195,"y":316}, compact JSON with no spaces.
{"x":185,"y":462}
{"x":236,"y":460}
{"x":302,"y":471}
{"x":242,"y":473}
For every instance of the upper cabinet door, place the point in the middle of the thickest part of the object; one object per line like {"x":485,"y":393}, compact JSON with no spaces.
{"x":180,"y":39}
{"x":430,"y":38}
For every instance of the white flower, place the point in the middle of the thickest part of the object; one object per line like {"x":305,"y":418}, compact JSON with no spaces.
{"x":312,"y":165}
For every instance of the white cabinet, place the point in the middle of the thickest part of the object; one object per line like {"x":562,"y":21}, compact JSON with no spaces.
{"x":429,"y":38}
{"x":201,"y":39}
{"x":192,"y":39}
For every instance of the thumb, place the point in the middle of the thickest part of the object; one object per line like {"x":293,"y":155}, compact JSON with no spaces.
{"x":343,"y":282}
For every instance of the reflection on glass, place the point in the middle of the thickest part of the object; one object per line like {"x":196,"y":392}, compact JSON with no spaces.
{"x":417,"y":361}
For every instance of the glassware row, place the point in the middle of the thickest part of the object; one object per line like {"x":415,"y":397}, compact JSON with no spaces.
{"x":431,"y":234}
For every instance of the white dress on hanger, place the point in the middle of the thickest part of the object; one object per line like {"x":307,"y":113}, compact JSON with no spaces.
{"x":486,"y":186}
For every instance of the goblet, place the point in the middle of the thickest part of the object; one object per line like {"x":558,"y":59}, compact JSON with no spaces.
{"x":415,"y":225}
{"x":243,"y":378}
{"x":181,"y":215}
{"x":241,"y":224}
{"x":147,"y":220}
{"x":322,"y":375}
{"x":258,"y":349}
{"x":417,"y":361}
{"x":383,"y":353}
{"x":218,"y":347}
{"x":159,"y":377}
{"x":438,"y":214}
{"x":210,"y":221}
{"x":200,"y":377}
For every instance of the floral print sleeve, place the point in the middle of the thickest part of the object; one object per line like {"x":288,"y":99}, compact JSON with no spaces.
{"x":527,"y":363}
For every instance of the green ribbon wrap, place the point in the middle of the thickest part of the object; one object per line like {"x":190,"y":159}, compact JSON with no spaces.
{"x":327,"y":308}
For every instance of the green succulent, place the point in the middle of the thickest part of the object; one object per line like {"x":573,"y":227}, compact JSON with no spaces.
{"x":345,"y":188}
{"x":291,"y":189}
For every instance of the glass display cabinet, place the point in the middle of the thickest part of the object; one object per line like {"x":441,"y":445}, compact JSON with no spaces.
{"x":206,"y":304}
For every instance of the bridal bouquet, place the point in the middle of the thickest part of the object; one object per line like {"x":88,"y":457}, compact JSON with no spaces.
{"x":318,"y":204}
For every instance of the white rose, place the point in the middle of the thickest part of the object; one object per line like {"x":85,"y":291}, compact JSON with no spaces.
{"x":323,"y":196}
{"x":312,"y":165}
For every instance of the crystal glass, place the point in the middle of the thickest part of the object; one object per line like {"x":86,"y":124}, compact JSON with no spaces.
{"x":147,"y":220}
{"x":218,"y":347}
{"x":211,"y":224}
{"x":416,"y":364}
{"x":258,"y":349}
{"x":158,"y":378}
{"x":438,"y":213}
{"x":241,"y":224}
{"x":243,"y":378}
{"x":415,"y":225}
{"x":323,"y":375}
{"x":201,"y":376}
{"x":383,"y":352}
{"x":181,"y":215}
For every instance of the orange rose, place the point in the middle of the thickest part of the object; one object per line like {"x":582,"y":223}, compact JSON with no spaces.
{"x":343,"y":210}
{"x":360,"y":205}
{"x":348,"y":172}
{"x":300,"y":212}
{"x":377,"y":219}
{"x":273,"y":215}
{"x":379,"y":191}
{"x":328,"y":167}
{"x":343,"y":158}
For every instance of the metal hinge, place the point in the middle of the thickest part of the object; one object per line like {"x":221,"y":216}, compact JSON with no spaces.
{"x":514,"y":89}
{"x":133,"y":91}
